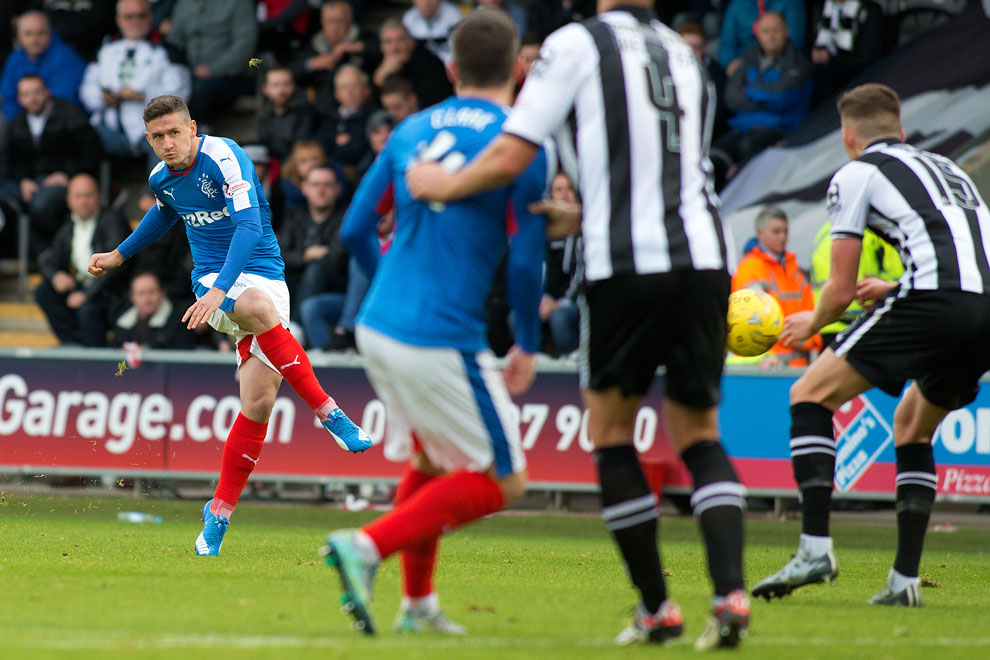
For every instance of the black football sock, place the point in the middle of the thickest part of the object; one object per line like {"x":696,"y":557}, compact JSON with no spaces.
{"x":916,"y":483}
{"x":813,"y":459}
{"x":718,"y":503}
{"x":630,"y":511}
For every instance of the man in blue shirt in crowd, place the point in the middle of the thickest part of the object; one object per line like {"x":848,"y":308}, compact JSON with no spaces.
{"x":209,"y":183}
{"x":422,"y":328}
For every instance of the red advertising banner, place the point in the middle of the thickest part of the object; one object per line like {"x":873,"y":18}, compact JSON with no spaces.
{"x":70,"y":413}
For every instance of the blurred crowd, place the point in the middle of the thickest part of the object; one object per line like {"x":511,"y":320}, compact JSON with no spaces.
{"x":334,"y":78}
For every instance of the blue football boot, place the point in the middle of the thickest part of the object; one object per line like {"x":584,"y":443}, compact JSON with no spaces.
{"x":211,"y":538}
{"x":348,"y":435}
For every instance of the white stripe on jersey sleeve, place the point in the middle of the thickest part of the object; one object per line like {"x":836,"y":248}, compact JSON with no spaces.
{"x":236,"y":187}
{"x":567,"y":57}
{"x":848,"y":198}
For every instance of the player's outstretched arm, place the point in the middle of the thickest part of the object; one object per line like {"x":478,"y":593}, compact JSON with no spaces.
{"x":102,"y":262}
{"x":153,"y":226}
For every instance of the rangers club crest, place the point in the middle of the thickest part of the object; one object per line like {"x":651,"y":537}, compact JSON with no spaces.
{"x":206,"y":185}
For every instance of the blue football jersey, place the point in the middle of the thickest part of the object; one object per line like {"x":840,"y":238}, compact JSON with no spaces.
{"x":431,"y":287}
{"x":220,"y":182}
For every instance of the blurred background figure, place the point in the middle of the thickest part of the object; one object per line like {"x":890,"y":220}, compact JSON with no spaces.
{"x":127,"y":74}
{"x":339,"y":41}
{"x":152,"y":320}
{"x":770,"y":267}
{"x":285,"y":116}
{"x":430,"y":23}
{"x":739,"y":27}
{"x":849,"y":38}
{"x":81,"y":23}
{"x":558,"y":307}
{"x":218,"y":37}
{"x":78,"y":305}
{"x":40,"y":52}
{"x":48,"y":141}
{"x":403,"y":56}
{"x":767,"y":95}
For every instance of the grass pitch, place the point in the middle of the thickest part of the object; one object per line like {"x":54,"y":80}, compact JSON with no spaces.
{"x":78,"y":583}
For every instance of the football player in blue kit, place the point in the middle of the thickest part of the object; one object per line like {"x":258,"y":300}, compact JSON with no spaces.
{"x":209,"y":184}
{"x":423,"y":325}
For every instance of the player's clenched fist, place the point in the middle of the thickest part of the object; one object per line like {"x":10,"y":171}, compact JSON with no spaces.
{"x":100,"y":263}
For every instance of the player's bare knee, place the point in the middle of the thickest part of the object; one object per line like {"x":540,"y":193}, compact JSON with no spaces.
{"x":255,"y":311}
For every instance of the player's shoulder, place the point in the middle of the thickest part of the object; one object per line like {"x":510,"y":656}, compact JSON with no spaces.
{"x":857,"y":173}
{"x":219,"y":149}
{"x":157,"y":172}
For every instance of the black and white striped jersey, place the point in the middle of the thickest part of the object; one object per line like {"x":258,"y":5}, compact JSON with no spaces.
{"x":925,"y":206}
{"x":632,"y":111}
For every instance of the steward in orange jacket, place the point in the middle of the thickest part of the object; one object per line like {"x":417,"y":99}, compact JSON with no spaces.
{"x":761,"y":268}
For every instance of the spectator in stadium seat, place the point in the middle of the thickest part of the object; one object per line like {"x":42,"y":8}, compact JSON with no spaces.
{"x":271,"y":185}
{"x":770,"y":267}
{"x":430,"y":22}
{"x":378,"y":128}
{"x":76,"y":303}
{"x":315,"y":259}
{"x":694,"y":35}
{"x":739,"y":27}
{"x":127,"y":73}
{"x":403,"y":56}
{"x":558,"y":307}
{"x":849,"y":39}
{"x":529,"y":51}
{"x":767,"y":96}
{"x":49,"y":142}
{"x":305,"y":155}
{"x":548,"y":15}
{"x":152,"y":320}
{"x":328,"y":318}
{"x":83,"y":24}
{"x":218,"y":38}
{"x":285,"y":116}
{"x":40,"y":51}
{"x":398,"y":97}
{"x":343,"y":135}
{"x":338,"y":42}
{"x":515,"y":11}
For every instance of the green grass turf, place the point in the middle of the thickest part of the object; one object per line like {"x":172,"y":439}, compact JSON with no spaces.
{"x":78,"y":583}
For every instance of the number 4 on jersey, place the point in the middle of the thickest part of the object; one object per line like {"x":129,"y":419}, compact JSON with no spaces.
{"x":439,"y":150}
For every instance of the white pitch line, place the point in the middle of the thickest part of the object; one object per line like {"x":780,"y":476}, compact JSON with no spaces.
{"x":94,"y":640}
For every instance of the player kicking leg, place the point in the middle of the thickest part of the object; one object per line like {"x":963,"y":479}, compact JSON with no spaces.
{"x":267,"y":353}
{"x":460,"y":410}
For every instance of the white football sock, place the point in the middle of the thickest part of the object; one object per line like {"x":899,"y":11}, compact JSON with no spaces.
{"x":898,"y":582}
{"x":815,"y":546}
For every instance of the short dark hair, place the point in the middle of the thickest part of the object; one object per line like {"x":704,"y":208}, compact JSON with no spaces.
{"x":484,"y":45}
{"x":872,"y":110}
{"x":691,"y":27}
{"x":32,"y":76}
{"x":165,"y":105}
{"x":396,"y":84}
{"x":531,"y":39}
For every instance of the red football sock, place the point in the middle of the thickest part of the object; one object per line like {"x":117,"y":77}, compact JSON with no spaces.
{"x":438,"y":507}
{"x":417,"y":560}
{"x":288,"y":356}
{"x":240,"y":455}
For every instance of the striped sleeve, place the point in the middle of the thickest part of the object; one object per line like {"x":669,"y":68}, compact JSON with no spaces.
{"x":848,"y":199}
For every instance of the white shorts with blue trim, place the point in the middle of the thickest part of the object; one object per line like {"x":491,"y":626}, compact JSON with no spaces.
{"x":455,"y":402}
{"x":221,"y":322}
